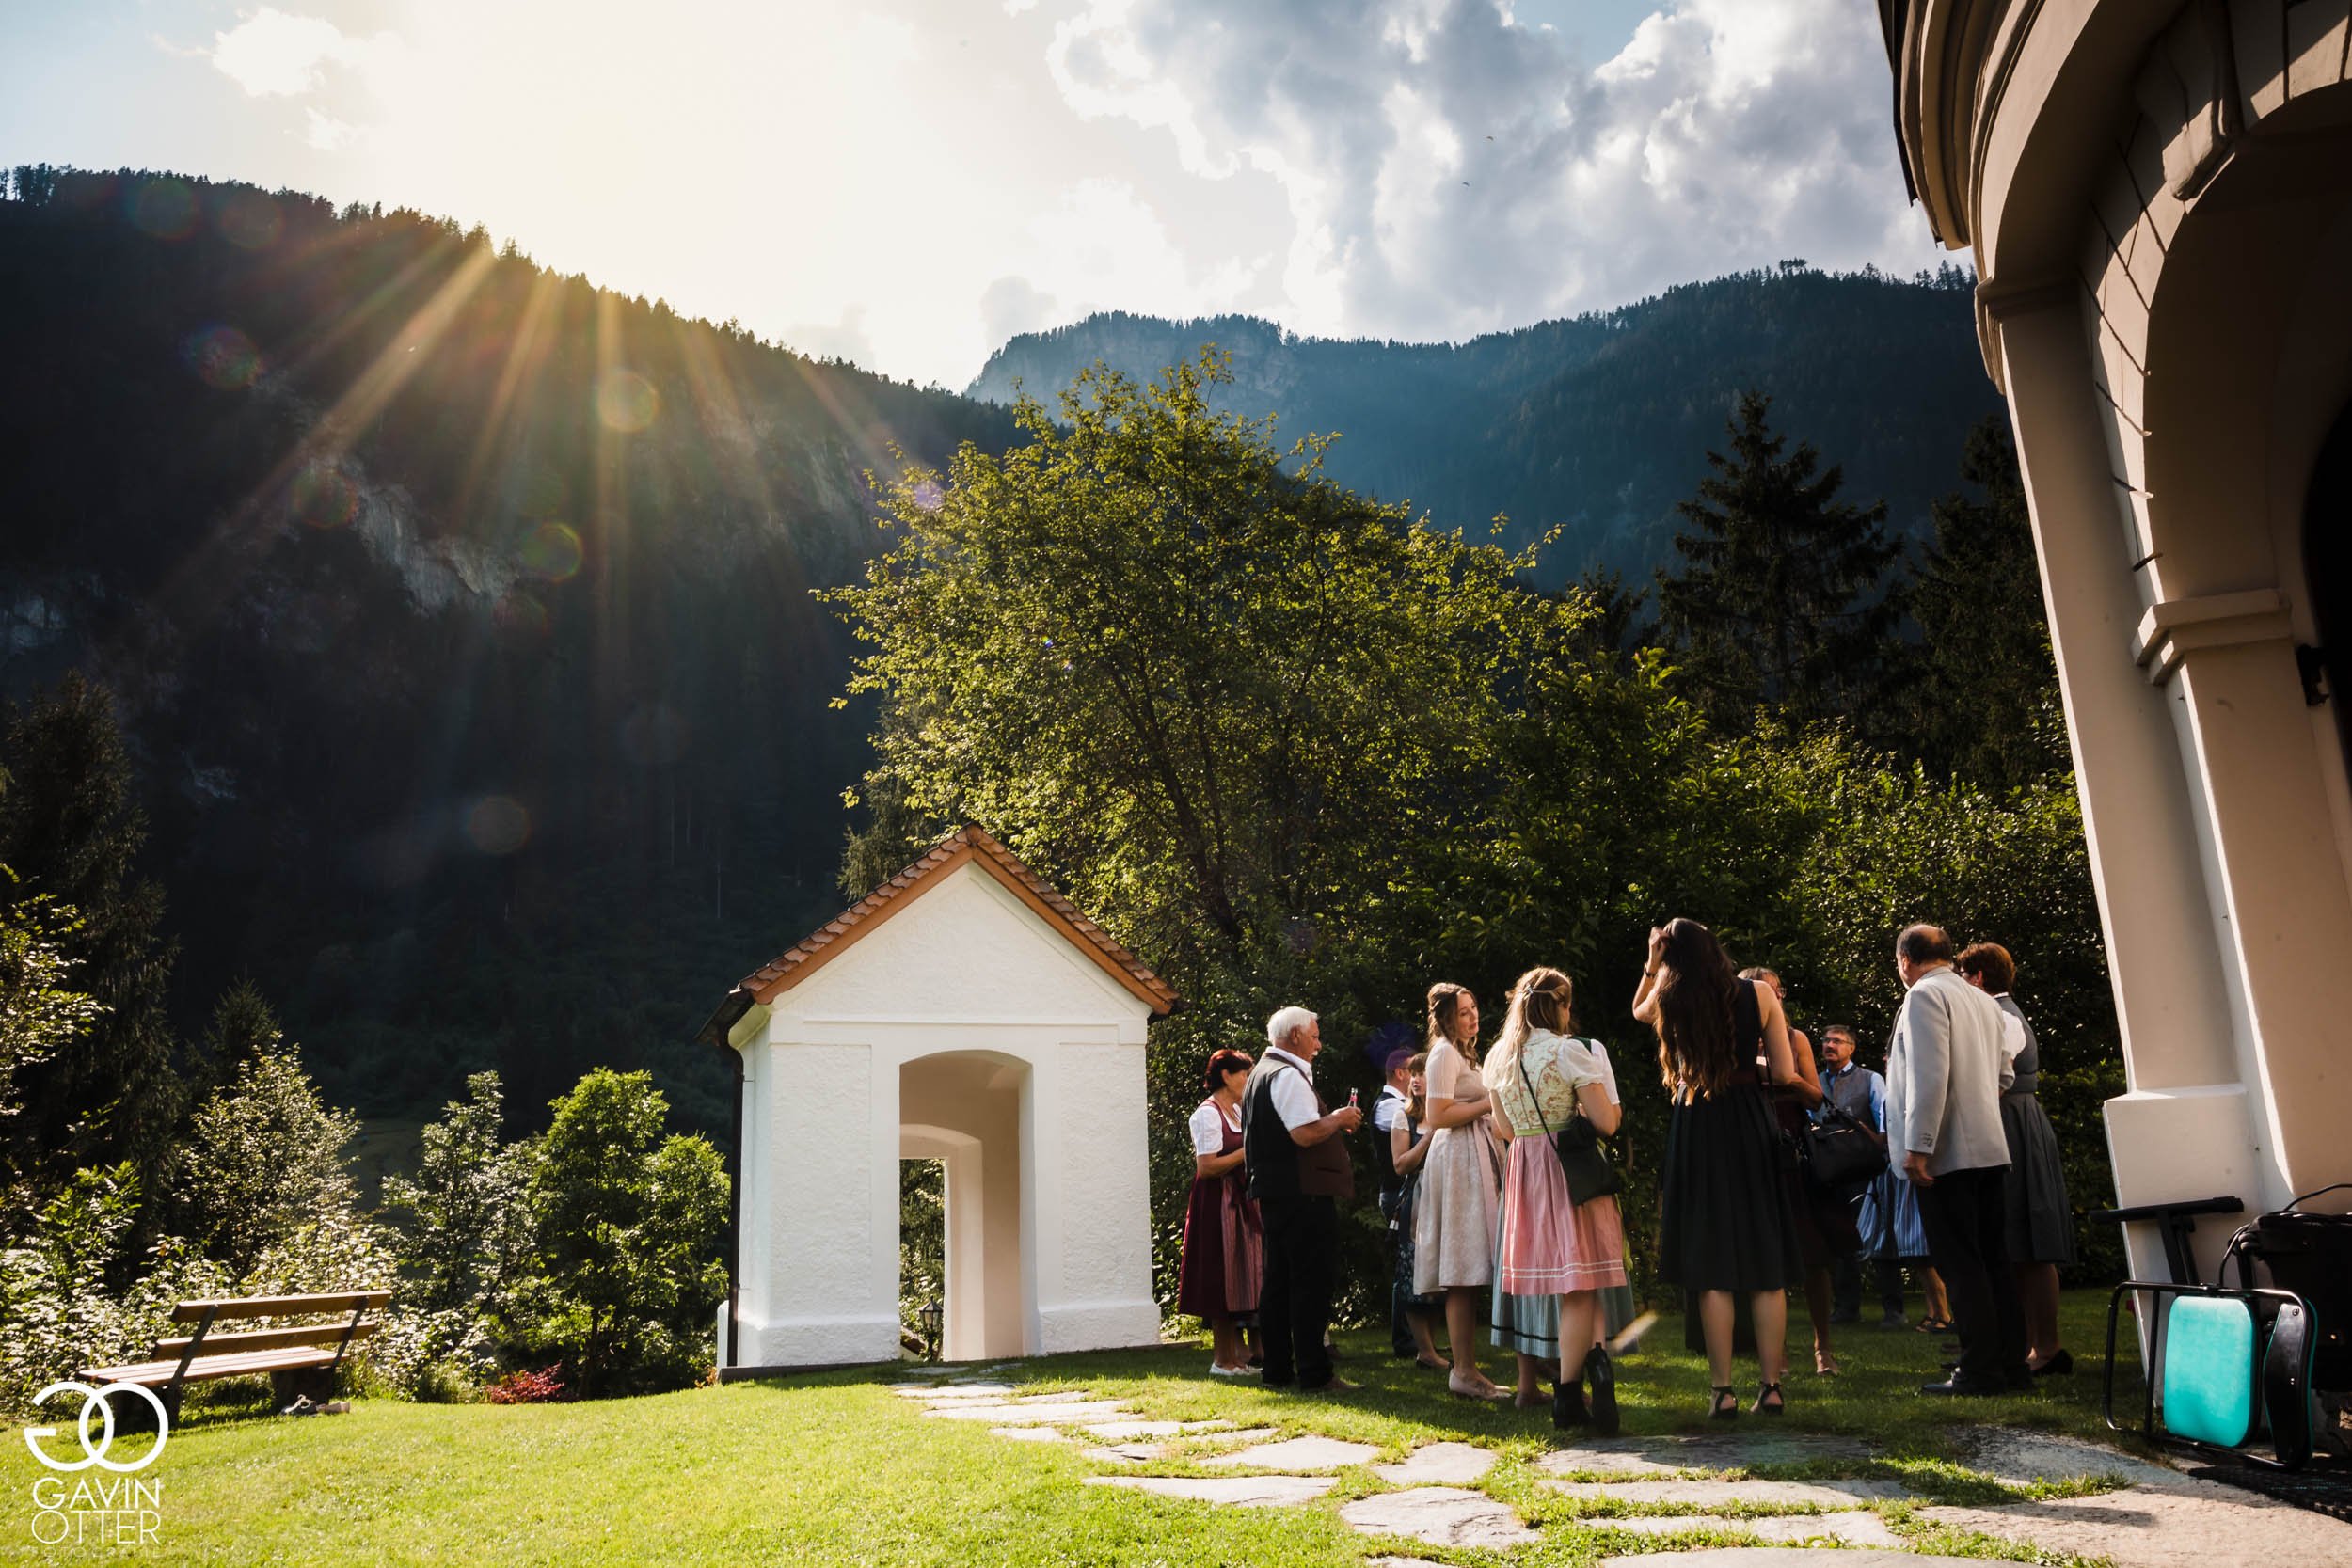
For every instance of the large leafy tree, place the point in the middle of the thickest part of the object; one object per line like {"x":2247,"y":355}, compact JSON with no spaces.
{"x":1781,"y":599}
{"x":1174,"y":665}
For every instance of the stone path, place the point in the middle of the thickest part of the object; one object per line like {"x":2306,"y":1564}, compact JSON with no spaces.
{"x":1664,"y":1489}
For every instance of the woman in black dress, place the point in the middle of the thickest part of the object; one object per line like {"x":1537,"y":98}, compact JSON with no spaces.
{"x":1726,"y":1226}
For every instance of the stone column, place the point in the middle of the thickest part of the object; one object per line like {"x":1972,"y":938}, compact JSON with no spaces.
{"x":2183,"y":1130}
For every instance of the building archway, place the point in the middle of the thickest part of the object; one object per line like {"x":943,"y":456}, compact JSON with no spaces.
{"x":2328,"y":572}
{"x":963,"y":1108}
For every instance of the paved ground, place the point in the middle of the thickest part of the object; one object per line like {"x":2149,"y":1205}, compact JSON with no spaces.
{"x":1668,"y":1492}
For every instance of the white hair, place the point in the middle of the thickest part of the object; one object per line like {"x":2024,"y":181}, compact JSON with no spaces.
{"x":1282,"y":1025}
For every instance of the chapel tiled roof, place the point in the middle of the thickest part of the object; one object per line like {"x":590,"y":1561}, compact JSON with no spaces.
{"x":973,"y":844}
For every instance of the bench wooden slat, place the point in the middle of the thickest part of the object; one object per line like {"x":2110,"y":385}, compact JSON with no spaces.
{"x":208,"y":1367}
{"x":282,"y":1306}
{"x":330,"y":1335}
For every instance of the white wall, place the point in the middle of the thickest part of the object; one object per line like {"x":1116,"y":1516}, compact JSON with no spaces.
{"x":964,"y":966}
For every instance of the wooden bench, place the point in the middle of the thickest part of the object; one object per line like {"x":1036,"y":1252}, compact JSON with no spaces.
{"x":298,"y":1360}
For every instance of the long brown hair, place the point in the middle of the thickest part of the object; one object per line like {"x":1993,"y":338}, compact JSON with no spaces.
{"x":1445,"y":1007}
{"x":1696,"y":1048}
{"x":1417,"y":1107}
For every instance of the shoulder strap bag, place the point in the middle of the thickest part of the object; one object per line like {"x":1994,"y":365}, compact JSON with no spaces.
{"x":1838,"y":1155}
{"x":1582,"y":1161}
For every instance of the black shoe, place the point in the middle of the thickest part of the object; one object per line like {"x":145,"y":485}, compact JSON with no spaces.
{"x":1331,"y":1351}
{"x":1725,"y":1405}
{"x":1841,"y":1317}
{"x":1893,"y":1320}
{"x":1956,"y":1384}
{"x":2061,"y":1364}
{"x":1603,"y":1378}
{"x":1771,"y":1390}
{"x":1567,"y":1405}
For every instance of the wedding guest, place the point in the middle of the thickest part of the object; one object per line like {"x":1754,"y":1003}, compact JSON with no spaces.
{"x":1298,"y":1170}
{"x":1219,"y":1276}
{"x":1824,"y":1225}
{"x":1394,"y":1094}
{"x":1408,"y":1145}
{"x":1550,"y":1244}
{"x":1945,"y":1074}
{"x":1453,"y":1218}
{"x":1861,"y":1094}
{"x":1725,"y":1225}
{"x":1529,"y":1326}
{"x":2037,"y":1219}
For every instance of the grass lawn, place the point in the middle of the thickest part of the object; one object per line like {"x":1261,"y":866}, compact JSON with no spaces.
{"x":835,"y":1469}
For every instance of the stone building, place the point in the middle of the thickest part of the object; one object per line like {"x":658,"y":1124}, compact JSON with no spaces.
{"x":964,"y":1011}
{"x":2158,"y":197}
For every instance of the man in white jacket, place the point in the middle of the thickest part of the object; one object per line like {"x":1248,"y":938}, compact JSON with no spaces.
{"x":1946,"y":1069}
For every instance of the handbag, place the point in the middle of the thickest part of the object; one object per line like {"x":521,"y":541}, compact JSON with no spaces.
{"x":1838,"y":1155}
{"x":1577,"y":1146}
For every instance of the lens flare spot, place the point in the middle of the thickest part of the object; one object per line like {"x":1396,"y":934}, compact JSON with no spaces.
{"x":928,"y":495}
{"x":497,"y":825}
{"x":163,"y":207}
{"x":626,"y":401}
{"x":323,"y":496}
{"x":249,"y":220}
{"x":519,"y":615}
{"x":553,"y":553}
{"x":222,"y":357}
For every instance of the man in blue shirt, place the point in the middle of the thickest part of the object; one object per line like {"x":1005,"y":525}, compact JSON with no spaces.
{"x":1862,"y":1094}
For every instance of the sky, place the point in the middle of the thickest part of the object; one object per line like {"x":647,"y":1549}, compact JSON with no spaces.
{"x":906,"y":184}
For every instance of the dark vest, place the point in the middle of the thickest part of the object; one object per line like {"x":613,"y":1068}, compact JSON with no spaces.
{"x":1383,"y":1161}
{"x":1278,"y":1168}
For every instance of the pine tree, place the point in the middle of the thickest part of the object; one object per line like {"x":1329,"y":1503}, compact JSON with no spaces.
{"x":1781,"y":599}
{"x":69,"y":831}
{"x":243,"y":1026}
{"x":1983,"y":701}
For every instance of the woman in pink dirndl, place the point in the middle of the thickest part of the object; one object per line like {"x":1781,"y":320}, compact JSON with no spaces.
{"x":1223,"y":1266}
{"x":1540,"y":1078}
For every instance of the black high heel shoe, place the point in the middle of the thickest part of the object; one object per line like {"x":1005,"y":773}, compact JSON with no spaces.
{"x":1603,"y":1378}
{"x":1771,"y":1390}
{"x":2061,"y":1364}
{"x":1726,"y":1403}
{"x":1567,"y":1405}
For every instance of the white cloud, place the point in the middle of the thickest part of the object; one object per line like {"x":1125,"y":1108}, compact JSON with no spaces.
{"x":1450,"y":171}
{"x":272,"y":53}
{"x":326,"y":133}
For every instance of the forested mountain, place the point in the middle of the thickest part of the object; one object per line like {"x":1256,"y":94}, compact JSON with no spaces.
{"x":1599,"y":423}
{"x":457,"y":611}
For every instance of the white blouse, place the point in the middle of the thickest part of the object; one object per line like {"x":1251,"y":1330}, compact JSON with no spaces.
{"x":1206,"y":1122}
{"x":1558,"y":1067}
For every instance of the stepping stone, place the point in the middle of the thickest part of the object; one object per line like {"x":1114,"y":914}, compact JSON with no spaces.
{"x":1605,"y":1462}
{"x":1250,"y":1434}
{"x":2185,"y":1524}
{"x":1855,"y":1528}
{"x":1403,"y":1563}
{"x":1028,"y":1435}
{"x":1055,"y":1394}
{"x":1128,"y":1454}
{"x":2023,"y":1458}
{"x":1439,"y":1464}
{"x":1715,"y":1493}
{"x":956,"y":1390}
{"x":1722,"y":1451}
{"x":1299,"y":1454}
{"x":1799,"y":1556}
{"x":1235,"y":1491}
{"x":1441,"y":1515}
{"x":1069,"y":1414}
{"x":1127,"y":1431}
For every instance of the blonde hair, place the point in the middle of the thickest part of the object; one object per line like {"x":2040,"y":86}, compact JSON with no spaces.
{"x":1540,"y":998}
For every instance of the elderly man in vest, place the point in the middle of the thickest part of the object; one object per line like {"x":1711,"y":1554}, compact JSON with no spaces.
{"x":1946,"y":1069}
{"x":1298,"y":1170}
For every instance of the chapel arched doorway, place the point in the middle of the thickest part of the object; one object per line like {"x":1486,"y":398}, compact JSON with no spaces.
{"x":965,"y":1109}
{"x":2328,"y":571}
